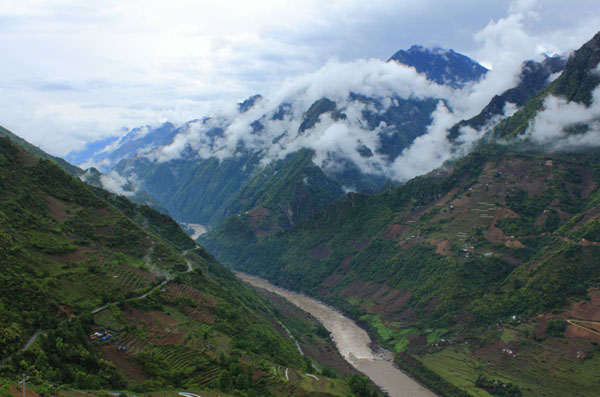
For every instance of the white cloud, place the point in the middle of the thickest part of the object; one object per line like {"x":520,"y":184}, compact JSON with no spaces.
{"x":117,"y":184}
{"x":80,"y":70}
{"x":548,"y":127}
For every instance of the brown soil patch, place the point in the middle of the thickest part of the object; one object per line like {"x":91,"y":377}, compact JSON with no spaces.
{"x":124,"y":362}
{"x":591,"y":214}
{"x":542,"y":325}
{"x":492,"y":351}
{"x":573,"y":331}
{"x":256,"y":216}
{"x":332,"y":279}
{"x":76,"y":256}
{"x":409,"y":314}
{"x":464,"y":318}
{"x":163,"y":318}
{"x":26,"y":158}
{"x":57,"y":208}
{"x":541,"y":219}
{"x":443,"y":247}
{"x":200,"y":314}
{"x":589,"y":185}
{"x":387,"y":301}
{"x":18,"y":391}
{"x":141,"y":273}
{"x":494,"y":233}
{"x":346,"y":262}
{"x":562,"y":215}
{"x":514,"y":244}
{"x":177,"y":290}
{"x":393,"y":231}
{"x":409,"y":243}
{"x":320,"y":252}
{"x":415,"y":341}
{"x":136,"y":316}
{"x":586,"y":310}
{"x":169,"y":339}
{"x":64,"y":312}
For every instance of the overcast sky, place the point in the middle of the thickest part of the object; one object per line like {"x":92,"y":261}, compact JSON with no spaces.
{"x":76,"y":71}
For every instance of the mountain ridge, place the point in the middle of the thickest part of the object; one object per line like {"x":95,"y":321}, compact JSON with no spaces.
{"x":481,"y":265}
{"x":116,"y":296}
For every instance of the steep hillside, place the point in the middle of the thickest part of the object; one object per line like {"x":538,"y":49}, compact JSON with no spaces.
{"x":71,"y":169}
{"x":483,"y":274}
{"x":111,"y":295}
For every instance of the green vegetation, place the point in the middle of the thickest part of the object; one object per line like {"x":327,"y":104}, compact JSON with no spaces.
{"x":462,"y":256}
{"x":69,"y":250}
{"x":556,"y":327}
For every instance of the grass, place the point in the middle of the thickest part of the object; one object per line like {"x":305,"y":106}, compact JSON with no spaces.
{"x":333,"y":387}
{"x":401,"y":345}
{"x":454,"y":365}
{"x":508,"y":336}
{"x":538,"y":369}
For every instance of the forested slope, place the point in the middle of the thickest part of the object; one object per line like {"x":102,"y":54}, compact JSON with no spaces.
{"x":116,"y":296}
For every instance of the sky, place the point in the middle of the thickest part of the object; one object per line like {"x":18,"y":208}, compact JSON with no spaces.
{"x":78,"y":71}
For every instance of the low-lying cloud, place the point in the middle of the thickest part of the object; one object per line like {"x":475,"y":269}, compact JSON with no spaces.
{"x":117,"y":184}
{"x":565,"y":126}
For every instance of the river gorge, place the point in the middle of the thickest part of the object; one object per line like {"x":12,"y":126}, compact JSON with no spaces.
{"x":353,"y":343}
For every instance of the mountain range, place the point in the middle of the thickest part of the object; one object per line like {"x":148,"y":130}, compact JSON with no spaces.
{"x":482,"y":275}
{"x":290,"y":155}
{"x":477,"y":266}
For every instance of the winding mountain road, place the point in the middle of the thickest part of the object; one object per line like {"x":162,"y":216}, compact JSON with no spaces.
{"x":572,"y":322}
{"x":103,"y":307}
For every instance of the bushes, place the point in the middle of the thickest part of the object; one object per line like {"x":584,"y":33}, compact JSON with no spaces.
{"x":497,"y":388}
{"x":556,"y":327}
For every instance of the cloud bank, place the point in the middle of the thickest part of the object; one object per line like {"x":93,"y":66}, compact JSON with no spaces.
{"x":78,"y":71}
{"x":566,"y":126}
{"x":349,"y":138}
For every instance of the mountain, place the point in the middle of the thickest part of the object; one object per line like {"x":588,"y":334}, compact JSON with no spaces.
{"x":71,"y":169}
{"x":290,"y":154}
{"x":482,"y":275}
{"x":441,"y":65}
{"x":533,"y":78}
{"x":105,"y":154}
{"x":113,"y":295}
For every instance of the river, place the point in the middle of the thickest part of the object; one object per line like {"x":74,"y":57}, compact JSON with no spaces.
{"x":352,"y":342}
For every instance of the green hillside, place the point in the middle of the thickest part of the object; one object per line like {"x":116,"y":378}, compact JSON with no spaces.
{"x":70,"y":168}
{"x":78,"y":262}
{"x":482,"y":276}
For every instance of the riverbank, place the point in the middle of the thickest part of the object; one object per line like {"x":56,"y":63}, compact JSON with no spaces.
{"x":353,"y":342}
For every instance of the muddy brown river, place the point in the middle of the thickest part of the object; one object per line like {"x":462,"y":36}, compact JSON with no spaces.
{"x":352,"y":342}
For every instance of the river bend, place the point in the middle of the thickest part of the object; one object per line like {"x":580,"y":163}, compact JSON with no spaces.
{"x":352,"y":342}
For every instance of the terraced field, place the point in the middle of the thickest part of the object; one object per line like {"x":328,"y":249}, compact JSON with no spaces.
{"x":129,"y":277}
